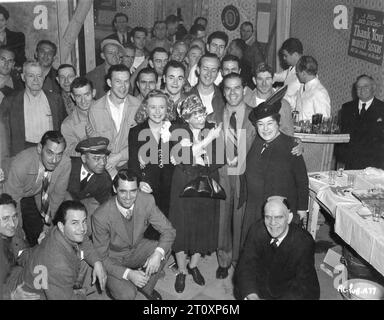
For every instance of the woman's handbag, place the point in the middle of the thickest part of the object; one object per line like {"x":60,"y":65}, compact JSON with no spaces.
{"x":203,"y":187}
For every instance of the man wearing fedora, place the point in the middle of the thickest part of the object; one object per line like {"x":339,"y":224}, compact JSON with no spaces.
{"x":89,"y":182}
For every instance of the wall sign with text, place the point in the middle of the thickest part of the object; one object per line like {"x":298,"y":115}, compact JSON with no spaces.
{"x":367,"y":33}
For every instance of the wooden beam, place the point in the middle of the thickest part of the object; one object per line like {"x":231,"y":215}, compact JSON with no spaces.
{"x":74,"y":27}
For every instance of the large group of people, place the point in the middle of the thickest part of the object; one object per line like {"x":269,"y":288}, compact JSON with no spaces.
{"x":95,"y":167}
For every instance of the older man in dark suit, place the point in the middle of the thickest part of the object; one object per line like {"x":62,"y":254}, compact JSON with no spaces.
{"x":118,"y":228}
{"x":277,"y":262}
{"x":44,"y":110}
{"x":363,"y":119}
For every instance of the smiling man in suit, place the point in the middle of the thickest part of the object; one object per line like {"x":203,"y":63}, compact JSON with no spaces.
{"x":363,"y":119}
{"x":89,"y":182}
{"x":118,"y":228}
{"x":113,"y":115}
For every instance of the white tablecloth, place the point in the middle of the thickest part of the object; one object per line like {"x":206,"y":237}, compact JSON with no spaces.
{"x":353,"y":221}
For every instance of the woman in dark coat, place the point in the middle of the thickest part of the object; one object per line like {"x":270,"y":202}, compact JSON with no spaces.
{"x":149,"y":150}
{"x":196,"y":220}
{"x":272,"y":169}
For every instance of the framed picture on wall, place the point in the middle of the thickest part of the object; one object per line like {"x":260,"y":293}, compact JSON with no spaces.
{"x":105,"y":5}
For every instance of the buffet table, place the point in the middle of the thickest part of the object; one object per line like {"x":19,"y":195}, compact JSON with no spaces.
{"x":318,"y":149}
{"x":354,"y":221}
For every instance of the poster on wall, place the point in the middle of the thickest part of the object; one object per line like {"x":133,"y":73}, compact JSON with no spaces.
{"x":367,"y":33}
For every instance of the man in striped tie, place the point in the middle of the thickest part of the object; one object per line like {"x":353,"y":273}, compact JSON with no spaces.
{"x":37,"y":181}
{"x":239,"y":135}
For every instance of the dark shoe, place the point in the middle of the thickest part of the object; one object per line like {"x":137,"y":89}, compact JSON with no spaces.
{"x":196,"y":275}
{"x":221,"y":272}
{"x":153,"y":296}
{"x":180,"y":282}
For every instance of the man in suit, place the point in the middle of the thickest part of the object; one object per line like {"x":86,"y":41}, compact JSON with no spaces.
{"x":239,"y":134}
{"x":45,"y":55}
{"x":118,"y":226}
{"x":277,"y":262}
{"x":111,"y":51}
{"x":89,"y":182}
{"x":37,"y":181}
{"x":13,"y":252}
{"x":211,"y":96}
{"x":113,"y":115}
{"x":73,"y":126}
{"x":44,"y":110}
{"x":121,"y":28}
{"x":363,"y":119}
{"x":13,"y":40}
{"x":60,"y":267}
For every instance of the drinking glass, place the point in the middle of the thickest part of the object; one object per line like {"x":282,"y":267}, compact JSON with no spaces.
{"x":351,"y":180}
{"x":331,"y":177}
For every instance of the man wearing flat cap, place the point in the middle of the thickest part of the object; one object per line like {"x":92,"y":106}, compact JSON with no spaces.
{"x":89,"y":182}
{"x":272,"y":169}
{"x":111,"y":53}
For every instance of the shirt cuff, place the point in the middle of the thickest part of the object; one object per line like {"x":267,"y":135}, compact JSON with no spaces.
{"x":126,"y":272}
{"x":162,"y":252}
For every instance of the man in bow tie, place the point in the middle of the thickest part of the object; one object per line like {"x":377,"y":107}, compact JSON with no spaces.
{"x":132,"y":261}
{"x":277,"y":261}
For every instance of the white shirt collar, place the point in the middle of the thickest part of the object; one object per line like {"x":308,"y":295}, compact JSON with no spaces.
{"x":367,"y":104}
{"x":123,"y":210}
{"x":84,"y":172}
{"x":280,"y":238}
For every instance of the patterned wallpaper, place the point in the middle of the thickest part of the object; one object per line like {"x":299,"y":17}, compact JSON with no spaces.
{"x":247,"y":10}
{"x":144,"y":12}
{"x":312,"y":23}
{"x":22,"y":19}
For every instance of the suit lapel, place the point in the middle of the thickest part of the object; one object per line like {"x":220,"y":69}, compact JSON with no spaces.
{"x":109,"y":115}
{"x":117,"y":221}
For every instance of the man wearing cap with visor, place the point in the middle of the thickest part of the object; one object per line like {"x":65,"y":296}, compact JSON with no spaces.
{"x":271,"y":168}
{"x":89,"y":182}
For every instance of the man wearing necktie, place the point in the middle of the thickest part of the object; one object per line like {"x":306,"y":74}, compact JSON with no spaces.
{"x":277,"y":262}
{"x":363,"y":119}
{"x":239,"y":134}
{"x":132,"y":261}
{"x":89,"y":182}
{"x":121,"y":28}
{"x":38,"y":181}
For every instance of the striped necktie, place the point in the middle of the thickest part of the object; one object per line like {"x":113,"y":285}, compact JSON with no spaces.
{"x":233,"y":132}
{"x":44,"y":194}
{"x":274,"y":242}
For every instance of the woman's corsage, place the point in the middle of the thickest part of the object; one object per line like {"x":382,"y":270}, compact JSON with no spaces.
{"x":165,"y":134}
